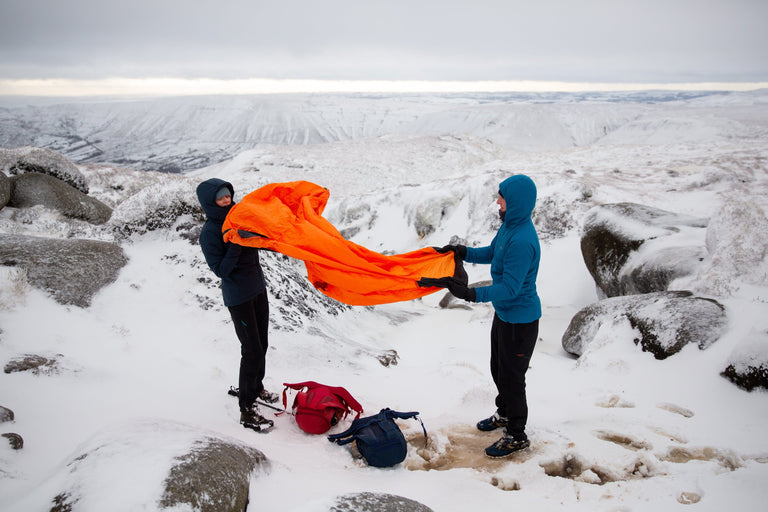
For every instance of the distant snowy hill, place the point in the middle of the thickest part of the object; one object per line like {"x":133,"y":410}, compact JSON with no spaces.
{"x":180,"y":134}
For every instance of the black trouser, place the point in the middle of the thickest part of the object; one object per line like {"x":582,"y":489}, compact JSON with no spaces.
{"x":511,"y":350}
{"x":251,"y":321}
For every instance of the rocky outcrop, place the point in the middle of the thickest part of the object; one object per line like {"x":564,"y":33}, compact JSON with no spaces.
{"x":18,"y":161}
{"x":72,"y":271}
{"x":35,"y":189}
{"x":631,"y":248}
{"x":663,"y":322}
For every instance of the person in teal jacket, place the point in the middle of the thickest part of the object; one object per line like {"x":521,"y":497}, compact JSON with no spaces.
{"x":514,"y":255}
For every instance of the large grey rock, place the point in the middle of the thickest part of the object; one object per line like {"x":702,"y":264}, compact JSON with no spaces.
{"x":34,"y":189}
{"x":5,"y":190}
{"x":17,"y":161}
{"x":377,"y":502}
{"x":630,"y":248}
{"x":154,"y":465}
{"x":665,"y":322}
{"x":213,"y":477}
{"x":72,"y":271}
{"x":748,"y":364}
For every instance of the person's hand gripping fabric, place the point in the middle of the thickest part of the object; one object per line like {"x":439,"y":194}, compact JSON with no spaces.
{"x":457,"y":288}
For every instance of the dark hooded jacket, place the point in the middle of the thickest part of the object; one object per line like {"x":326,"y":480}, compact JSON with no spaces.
{"x":514,"y":256}
{"x":238,"y":267}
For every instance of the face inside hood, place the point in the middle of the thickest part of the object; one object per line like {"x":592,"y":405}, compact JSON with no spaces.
{"x":519,"y":192}
{"x":206,"y":194}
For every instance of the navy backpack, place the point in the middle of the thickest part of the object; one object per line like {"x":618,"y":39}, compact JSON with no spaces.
{"x":378,"y":438}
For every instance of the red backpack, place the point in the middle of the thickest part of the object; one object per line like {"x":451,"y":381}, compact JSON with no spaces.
{"x":318,"y":407}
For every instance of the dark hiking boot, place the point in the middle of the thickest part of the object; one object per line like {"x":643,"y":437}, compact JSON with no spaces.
{"x":251,"y":418}
{"x":492,"y":423}
{"x":269,"y":397}
{"x":506,"y":446}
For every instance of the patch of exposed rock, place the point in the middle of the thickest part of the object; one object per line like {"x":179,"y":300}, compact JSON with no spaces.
{"x":6,"y":414}
{"x":34,"y":364}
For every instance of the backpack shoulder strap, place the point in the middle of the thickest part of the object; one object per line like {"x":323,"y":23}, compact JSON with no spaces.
{"x":406,"y":415}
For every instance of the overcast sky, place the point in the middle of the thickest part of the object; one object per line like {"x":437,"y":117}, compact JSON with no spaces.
{"x":567,"y":40}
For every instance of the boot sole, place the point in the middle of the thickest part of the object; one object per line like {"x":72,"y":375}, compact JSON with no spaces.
{"x":262,"y":428}
{"x":515,"y":450}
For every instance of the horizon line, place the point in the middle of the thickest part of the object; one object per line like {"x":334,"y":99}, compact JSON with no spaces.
{"x":160,"y":86}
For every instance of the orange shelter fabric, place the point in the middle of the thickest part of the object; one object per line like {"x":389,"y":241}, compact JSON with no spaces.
{"x":287,"y":218}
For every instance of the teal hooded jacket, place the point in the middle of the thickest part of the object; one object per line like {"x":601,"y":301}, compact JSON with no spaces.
{"x":514,"y":256}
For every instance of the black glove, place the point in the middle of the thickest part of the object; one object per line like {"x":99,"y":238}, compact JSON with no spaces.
{"x":456,"y":288}
{"x":459,"y":250}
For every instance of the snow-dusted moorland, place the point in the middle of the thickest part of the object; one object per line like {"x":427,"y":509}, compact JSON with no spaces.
{"x":616,"y":429}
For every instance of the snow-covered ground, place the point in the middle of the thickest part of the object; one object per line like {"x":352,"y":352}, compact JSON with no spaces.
{"x":613,"y":430}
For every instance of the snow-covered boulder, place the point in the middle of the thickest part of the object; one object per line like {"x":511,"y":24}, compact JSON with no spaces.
{"x":748,"y":363}
{"x":630,"y":248}
{"x":375,"y":502}
{"x":5,"y":190}
{"x":17,"y":161}
{"x":737,"y":242}
{"x":72,"y":271}
{"x":661,"y":323}
{"x":153,"y":465}
{"x":34,"y":189}
{"x":170,"y":203}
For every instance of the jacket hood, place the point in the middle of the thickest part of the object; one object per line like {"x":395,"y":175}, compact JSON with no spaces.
{"x":206,"y":194}
{"x":519,"y":192}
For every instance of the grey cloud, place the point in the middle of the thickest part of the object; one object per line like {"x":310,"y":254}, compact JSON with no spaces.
{"x":448,"y":39}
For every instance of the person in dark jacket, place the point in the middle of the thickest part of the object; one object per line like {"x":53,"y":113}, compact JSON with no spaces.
{"x":245,"y":295}
{"x":514,"y":257}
